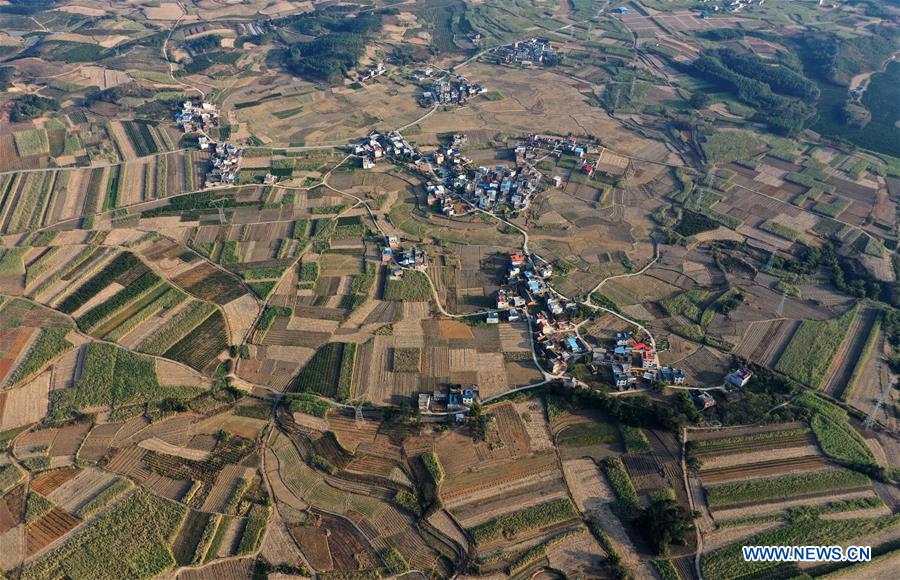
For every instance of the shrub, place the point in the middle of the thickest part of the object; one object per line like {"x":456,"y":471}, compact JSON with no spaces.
{"x":309,"y":404}
{"x":433,"y":465}
{"x":253,"y":531}
{"x":634,"y":439}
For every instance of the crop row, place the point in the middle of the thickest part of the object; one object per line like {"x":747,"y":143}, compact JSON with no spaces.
{"x":254,"y":529}
{"x":116,"y":268}
{"x":41,"y":265}
{"x":321,"y":373}
{"x":535,"y":553}
{"x":836,"y":437}
{"x":67,"y":268}
{"x":132,"y":540}
{"x":199,"y":347}
{"x":627,"y":503}
{"x":160,"y":181}
{"x":206,"y":539}
{"x":169,"y":299}
{"x":144,"y":284}
{"x":51,"y":342}
{"x":413,"y":287}
{"x":783,"y":487}
{"x":531,"y":518}
{"x":177,"y":328}
{"x":863,"y":359}
{"x":728,"y":563}
{"x":634,"y":439}
{"x":348,"y":365}
{"x":812,"y":348}
{"x":141,"y":138}
{"x":34,"y":193}
{"x":104,"y":498}
{"x":749,"y":439}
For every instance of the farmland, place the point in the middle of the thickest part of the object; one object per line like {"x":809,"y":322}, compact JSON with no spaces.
{"x":408,"y":307}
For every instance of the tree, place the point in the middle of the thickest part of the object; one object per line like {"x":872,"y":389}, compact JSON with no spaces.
{"x":665,"y":522}
{"x":700,"y":100}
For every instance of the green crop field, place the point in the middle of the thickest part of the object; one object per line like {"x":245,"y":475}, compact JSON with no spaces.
{"x":812,"y":348}
{"x":322,"y":373}
{"x":545,"y":514}
{"x":32,"y":142}
{"x":752,"y":491}
{"x":132,"y":540}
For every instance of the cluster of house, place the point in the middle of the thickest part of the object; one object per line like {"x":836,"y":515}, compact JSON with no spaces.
{"x":371,"y":72}
{"x":257,"y":28}
{"x":448,"y":398}
{"x":376,"y":146}
{"x":455,"y":91}
{"x":634,"y":362}
{"x":225,"y":164}
{"x":491,"y":187}
{"x":558,"y":343}
{"x":732,"y":6}
{"x":198,"y":117}
{"x":396,"y":259}
{"x":531,"y":52}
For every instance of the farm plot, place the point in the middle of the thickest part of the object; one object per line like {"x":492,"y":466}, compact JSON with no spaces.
{"x":47,"y":529}
{"x":813,"y":348}
{"x":200,"y":349}
{"x":26,"y":404}
{"x":755,"y":491}
{"x":144,"y":526}
{"x":209,"y":283}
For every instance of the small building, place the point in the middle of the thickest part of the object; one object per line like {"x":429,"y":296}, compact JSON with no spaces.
{"x":557,"y":181}
{"x":704,"y":400}
{"x":493,"y":318}
{"x":622,"y":10}
{"x":424,"y":402}
{"x":740,"y":377}
{"x":469,"y":396}
{"x":512,"y":315}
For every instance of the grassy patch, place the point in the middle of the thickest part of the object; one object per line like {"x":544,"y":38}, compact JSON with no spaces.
{"x":413,"y":287}
{"x":626,"y":504}
{"x":406,"y":360}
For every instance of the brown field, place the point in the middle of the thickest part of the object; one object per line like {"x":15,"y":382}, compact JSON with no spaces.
{"x":79,"y":490}
{"x":44,"y":531}
{"x":25,"y":404}
{"x":225,"y":485}
{"x":234,"y":569}
{"x":46,"y":483}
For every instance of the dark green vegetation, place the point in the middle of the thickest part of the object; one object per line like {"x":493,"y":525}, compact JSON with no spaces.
{"x":433,"y":464}
{"x":782,"y":98}
{"x":309,"y":404}
{"x":95,"y":315}
{"x":114,"y":377}
{"x":340,"y":42}
{"x":663,"y":523}
{"x":836,"y":437}
{"x":324,"y":372}
{"x":29,"y":107}
{"x":123,"y":269}
{"x":693,"y":223}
